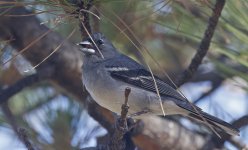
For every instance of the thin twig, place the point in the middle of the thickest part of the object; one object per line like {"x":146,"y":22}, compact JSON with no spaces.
{"x":117,"y":141}
{"x":55,"y":50}
{"x":204,"y":45}
{"x":124,"y":108}
{"x":215,"y":85}
{"x":28,"y":46}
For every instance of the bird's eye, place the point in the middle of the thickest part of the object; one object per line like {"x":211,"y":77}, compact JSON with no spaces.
{"x":100,"y":42}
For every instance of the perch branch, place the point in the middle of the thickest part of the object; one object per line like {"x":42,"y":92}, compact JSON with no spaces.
{"x":204,"y":45}
{"x":117,"y":141}
{"x":124,"y":108}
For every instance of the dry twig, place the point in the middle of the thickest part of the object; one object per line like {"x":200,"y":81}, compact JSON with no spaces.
{"x":117,"y":141}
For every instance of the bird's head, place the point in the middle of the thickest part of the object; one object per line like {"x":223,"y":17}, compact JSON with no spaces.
{"x":97,"y":46}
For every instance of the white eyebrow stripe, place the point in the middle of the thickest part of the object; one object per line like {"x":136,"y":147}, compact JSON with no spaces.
{"x":117,"y":69}
{"x":84,"y":43}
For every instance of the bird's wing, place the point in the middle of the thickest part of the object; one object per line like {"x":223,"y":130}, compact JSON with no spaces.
{"x":127,"y":70}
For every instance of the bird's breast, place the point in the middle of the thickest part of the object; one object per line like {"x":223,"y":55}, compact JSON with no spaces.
{"x":109,"y":93}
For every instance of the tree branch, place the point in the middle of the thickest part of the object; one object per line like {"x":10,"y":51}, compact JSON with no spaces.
{"x":117,"y":140}
{"x":8,"y":92}
{"x":238,"y":143}
{"x":12,"y":121}
{"x":154,"y":133}
{"x":241,"y":122}
{"x":215,"y":86}
{"x":84,"y":21}
{"x":204,"y":45}
{"x":23,"y":135}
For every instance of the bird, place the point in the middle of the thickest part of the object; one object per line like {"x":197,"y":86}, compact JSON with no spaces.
{"x":106,"y":73}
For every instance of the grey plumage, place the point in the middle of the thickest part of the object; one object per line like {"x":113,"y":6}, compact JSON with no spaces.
{"x":106,"y":78}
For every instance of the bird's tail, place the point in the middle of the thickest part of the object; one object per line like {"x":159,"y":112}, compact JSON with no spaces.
{"x":214,"y":122}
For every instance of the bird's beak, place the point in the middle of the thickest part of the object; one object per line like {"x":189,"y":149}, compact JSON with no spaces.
{"x":87,"y":47}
